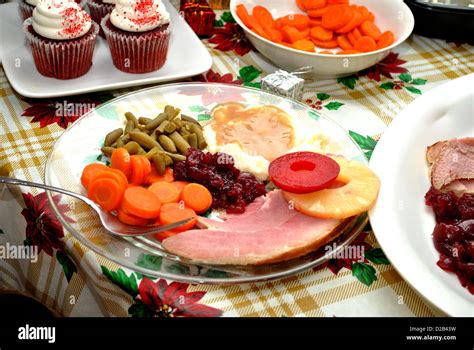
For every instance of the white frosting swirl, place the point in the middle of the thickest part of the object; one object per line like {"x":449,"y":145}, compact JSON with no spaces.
{"x":60,"y":19}
{"x":139,"y":15}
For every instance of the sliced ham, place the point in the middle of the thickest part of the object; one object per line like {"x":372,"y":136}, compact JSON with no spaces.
{"x":452,"y":164}
{"x":271,"y":232}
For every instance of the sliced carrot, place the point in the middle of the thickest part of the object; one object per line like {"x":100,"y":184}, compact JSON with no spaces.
{"x":146,"y":168}
{"x":291,"y":34}
{"x":347,"y":52}
{"x":120,"y":160}
{"x":245,"y":16}
{"x":322,"y":34}
{"x":371,"y":17}
{"x":305,"y":33}
{"x":344,"y":43}
{"x":90,"y":171}
{"x":168,"y":176}
{"x":314,"y":4}
{"x":106,"y":192}
{"x":356,"y":33}
{"x":179,"y":185}
{"x":299,"y":21}
{"x":166,"y":192}
{"x":263,"y":16}
{"x":351,"y":38}
{"x":136,"y":177}
{"x":300,"y":4}
{"x":337,"y":16}
{"x":259,"y":31}
{"x":365,"y":44}
{"x":113,"y":174}
{"x":313,"y":22}
{"x":331,"y":44}
{"x":130,"y":219}
{"x":174,"y":212}
{"x":338,"y":2}
{"x":318,"y":13}
{"x":354,"y":22}
{"x":326,"y":52}
{"x":364,"y":12}
{"x":304,"y":45}
{"x":368,"y":28}
{"x":287,"y":45}
{"x":273,"y":33}
{"x":196,"y":197}
{"x":141,"y":202}
{"x":386,"y":39}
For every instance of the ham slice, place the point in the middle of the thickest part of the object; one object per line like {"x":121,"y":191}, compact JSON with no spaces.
{"x":270,"y":231}
{"x":452,"y":165}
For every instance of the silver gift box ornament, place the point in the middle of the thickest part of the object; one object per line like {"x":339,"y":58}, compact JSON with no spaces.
{"x":284,"y":84}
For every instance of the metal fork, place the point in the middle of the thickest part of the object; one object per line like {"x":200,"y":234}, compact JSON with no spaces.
{"x":109,"y":221}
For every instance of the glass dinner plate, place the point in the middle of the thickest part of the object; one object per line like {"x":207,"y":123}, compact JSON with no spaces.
{"x":81,"y":143}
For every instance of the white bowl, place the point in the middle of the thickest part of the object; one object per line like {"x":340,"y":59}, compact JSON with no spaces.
{"x":391,"y":15}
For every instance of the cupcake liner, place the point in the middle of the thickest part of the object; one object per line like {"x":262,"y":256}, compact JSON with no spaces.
{"x":26,"y":10}
{"x":132,"y":53}
{"x":59,"y":59}
{"x":99,"y":11}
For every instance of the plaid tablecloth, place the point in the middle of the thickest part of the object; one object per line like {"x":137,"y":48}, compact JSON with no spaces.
{"x":74,"y":281}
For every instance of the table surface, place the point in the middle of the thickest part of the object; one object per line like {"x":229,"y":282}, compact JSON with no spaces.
{"x":73,"y":281}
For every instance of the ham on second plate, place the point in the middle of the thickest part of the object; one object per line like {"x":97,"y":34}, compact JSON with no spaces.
{"x":269,"y":231}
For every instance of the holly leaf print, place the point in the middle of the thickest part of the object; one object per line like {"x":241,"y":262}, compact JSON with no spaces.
{"x":349,"y":82}
{"x":248,"y":74}
{"x":322,"y":96}
{"x":120,"y":278}
{"x":68,"y":265}
{"x":413,"y":90}
{"x":196,"y":108}
{"x":218,"y":23}
{"x":257,"y":85}
{"x":364,"y":273}
{"x":367,"y":143}
{"x":203,"y":117}
{"x":388,"y":85}
{"x":419,"y":81}
{"x":313,"y":115}
{"x":227,"y":17}
{"x":334,"y":106}
{"x":178,"y":269}
{"x":148,"y":261}
{"x":405,"y":77}
{"x":376,"y":256}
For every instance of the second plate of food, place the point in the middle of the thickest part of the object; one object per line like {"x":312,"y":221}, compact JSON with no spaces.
{"x":206,"y":151}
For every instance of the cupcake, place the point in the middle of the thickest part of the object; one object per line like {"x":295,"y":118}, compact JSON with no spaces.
{"x":138,"y":34}
{"x":98,"y":9}
{"x":62,"y":38}
{"x":27,"y":6}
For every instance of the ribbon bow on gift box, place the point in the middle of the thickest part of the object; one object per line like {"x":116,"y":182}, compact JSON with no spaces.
{"x":199,"y":16}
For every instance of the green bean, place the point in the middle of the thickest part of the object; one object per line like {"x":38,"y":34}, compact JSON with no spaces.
{"x":168,"y":160}
{"x":130,"y":116}
{"x":149,"y":155}
{"x":144,"y":140}
{"x":120,"y":143}
{"x":129,"y":126}
{"x":188,"y":119}
{"x":167,"y":143}
{"x":200,"y":136}
{"x":153,"y":124}
{"x":170,"y":128}
{"x":143,"y":120}
{"x":162,"y":126}
{"x":174,"y":156}
{"x":193,"y":140}
{"x":107,"y":151}
{"x":141,"y":152}
{"x":180,"y":142}
{"x":132,"y":147}
{"x":169,"y":110}
{"x":184,"y":132}
{"x":178,"y":123}
{"x":112,"y":137}
{"x":159,"y":164}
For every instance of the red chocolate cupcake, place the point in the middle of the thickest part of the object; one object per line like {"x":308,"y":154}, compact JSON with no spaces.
{"x":138,"y":34}
{"x":62,"y":38}
{"x":27,"y":6}
{"x":98,"y":9}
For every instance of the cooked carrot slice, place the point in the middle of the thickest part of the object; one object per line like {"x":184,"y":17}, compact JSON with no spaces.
{"x":291,"y":34}
{"x":304,"y":45}
{"x":174,"y":212}
{"x":386,"y":39}
{"x":136,"y":177}
{"x":365,"y":44}
{"x":106,"y":192}
{"x":130,"y":219}
{"x":196,"y":197}
{"x":368,"y":28}
{"x":347,"y":52}
{"x":299,"y":21}
{"x":337,"y":16}
{"x":354,"y":22}
{"x":274,"y":34}
{"x":344,"y":43}
{"x":356,"y":33}
{"x":322,"y":34}
{"x":146,"y":168}
{"x":331,"y":44}
{"x":313,"y":22}
{"x":351,"y":38}
{"x":300,"y":4}
{"x":338,"y":2}
{"x":364,"y":12}
{"x":314,"y":4}
{"x":90,"y":171}
{"x":141,"y":202}
{"x":168,"y":176}
{"x":120,"y":160}
{"x":113,"y":174}
{"x":319,"y":12}
{"x":263,"y":16}
{"x":259,"y":31}
{"x":371,"y":17}
{"x":166,"y":192}
{"x":179,"y":185}
{"x":245,"y":17}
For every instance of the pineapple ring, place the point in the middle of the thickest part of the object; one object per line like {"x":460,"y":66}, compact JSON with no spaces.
{"x":355,"y":197}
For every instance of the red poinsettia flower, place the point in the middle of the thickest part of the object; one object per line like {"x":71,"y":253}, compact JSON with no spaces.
{"x":391,"y":64}
{"x":231,"y":37}
{"x":335,"y":265}
{"x":173,"y":300}
{"x":62,"y":112}
{"x":43,"y":229}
